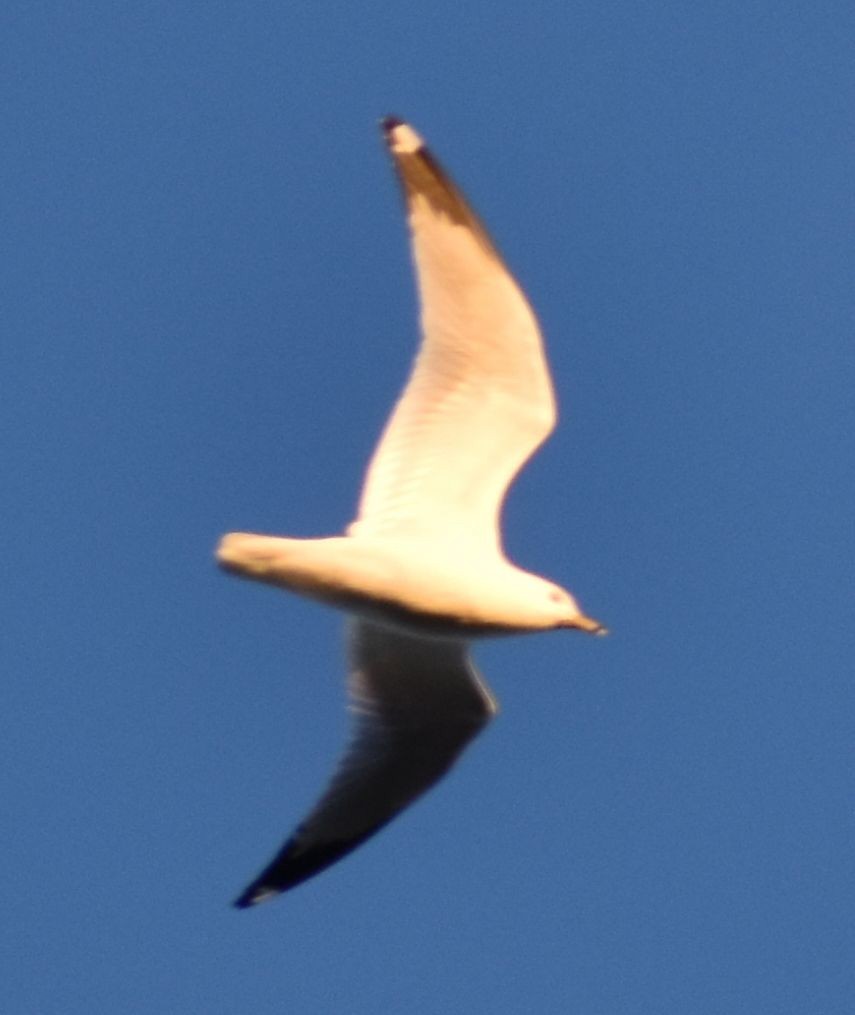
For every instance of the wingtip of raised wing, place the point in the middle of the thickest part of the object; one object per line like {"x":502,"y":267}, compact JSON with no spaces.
{"x":400,"y":136}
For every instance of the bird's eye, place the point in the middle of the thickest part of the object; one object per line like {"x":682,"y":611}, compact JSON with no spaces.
{"x":557,"y":596}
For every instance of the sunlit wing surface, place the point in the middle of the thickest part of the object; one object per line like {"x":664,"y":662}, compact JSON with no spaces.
{"x":417,"y":702}
{"x":479,"y":400}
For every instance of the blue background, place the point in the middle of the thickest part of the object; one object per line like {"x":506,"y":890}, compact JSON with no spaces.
{"x":206,"y":313}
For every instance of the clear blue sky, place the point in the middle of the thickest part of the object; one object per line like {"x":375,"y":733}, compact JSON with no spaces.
{"x":206,"y":313}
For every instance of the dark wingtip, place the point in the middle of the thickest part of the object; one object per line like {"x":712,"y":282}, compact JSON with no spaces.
{"x":389,"y":123}
{"x":294,"y":864}
{"x":252,"y":897}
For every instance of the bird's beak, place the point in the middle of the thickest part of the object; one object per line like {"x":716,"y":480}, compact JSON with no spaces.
{"x":584,"y":623}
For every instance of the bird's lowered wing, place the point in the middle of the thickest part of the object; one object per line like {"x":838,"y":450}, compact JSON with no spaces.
{"x":418,"y":702}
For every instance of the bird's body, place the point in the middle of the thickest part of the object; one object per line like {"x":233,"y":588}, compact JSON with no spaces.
{"x":406,"y":583}
{"x":421,"y":570}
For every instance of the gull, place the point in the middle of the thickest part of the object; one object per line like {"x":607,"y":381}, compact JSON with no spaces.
{"x":421,"y":571}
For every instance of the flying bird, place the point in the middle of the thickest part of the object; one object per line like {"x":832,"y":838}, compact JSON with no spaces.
{"x":421,"y":570}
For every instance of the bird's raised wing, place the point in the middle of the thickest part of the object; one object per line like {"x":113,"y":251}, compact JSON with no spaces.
{"x":479,"y":400}
{"x":418,"y":703}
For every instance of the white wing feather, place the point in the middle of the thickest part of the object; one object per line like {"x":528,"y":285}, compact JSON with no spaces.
{"x":479,"y":400}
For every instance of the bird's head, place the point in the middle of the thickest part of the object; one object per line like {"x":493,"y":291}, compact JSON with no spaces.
{"x":566,"y":610}
{"x":541,"y":605}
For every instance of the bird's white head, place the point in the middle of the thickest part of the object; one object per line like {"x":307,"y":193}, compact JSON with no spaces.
{"x":567,"y":611}
{"x":539,"y":604}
